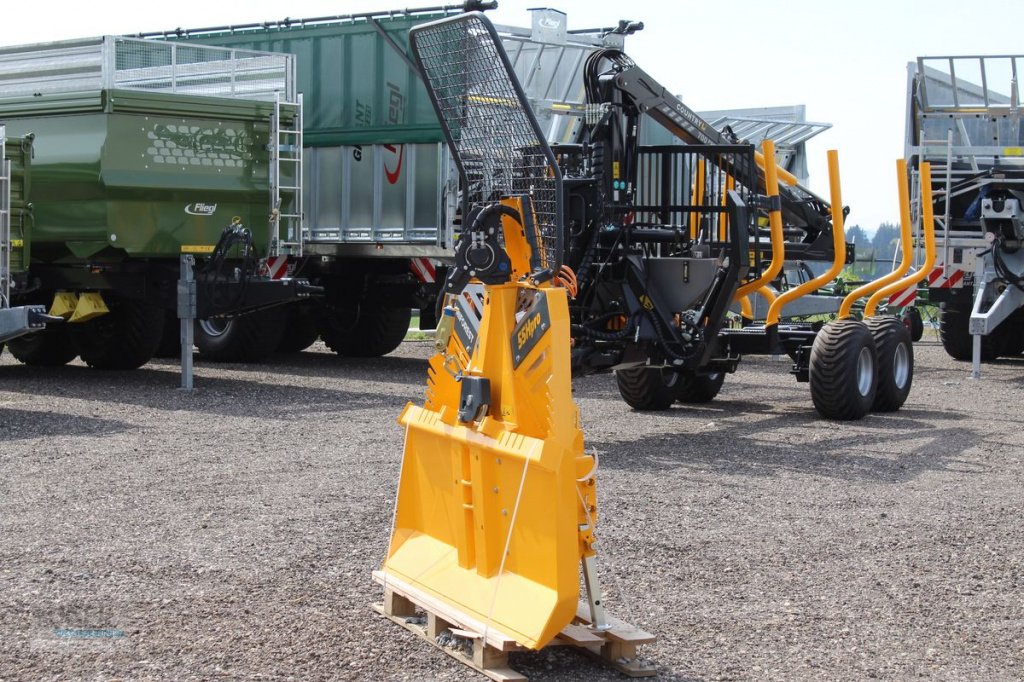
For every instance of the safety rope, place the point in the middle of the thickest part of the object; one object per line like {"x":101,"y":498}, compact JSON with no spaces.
{"x":504,"y":555}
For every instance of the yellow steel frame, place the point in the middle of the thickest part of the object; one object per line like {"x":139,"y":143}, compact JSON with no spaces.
{"x":838,"y":245}
{"x":906,"y":248}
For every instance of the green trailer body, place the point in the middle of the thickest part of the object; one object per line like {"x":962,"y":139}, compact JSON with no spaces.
{"x":357,"y":88}
{"x":121,"y":174}
{"x":143,"y":149}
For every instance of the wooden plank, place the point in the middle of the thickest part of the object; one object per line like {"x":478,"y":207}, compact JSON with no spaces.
{"x":436,"y":625}
{"x":620,"y":630}
{"x":616,"y":647}
{"x":580,"y":635}
{"x":397,"y":605}
{"x":488,"y":658}
{"x":619,"y":645}
{"x":498,"y":673}
{"x":431,"y":604}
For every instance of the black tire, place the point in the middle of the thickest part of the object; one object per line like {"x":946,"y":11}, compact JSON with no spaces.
{"x":170,"y":340}
{"x":842,"y":370}
{"x":955,"y":334}
{"x":895,"y":368}
{"x":246,"y":338}
{"x":51,"y":347}
{"x":124,"y":338}
{"x":1011,"y":334}
{"x":300,"y":330}
{"x":695,"y":389}
{"x":647,"y":388}
{"x":376,"y":332}
{"x":914,"y":323}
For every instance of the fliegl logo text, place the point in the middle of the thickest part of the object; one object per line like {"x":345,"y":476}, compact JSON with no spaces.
{"x":199,"y":208}
{"x":528,"y":330}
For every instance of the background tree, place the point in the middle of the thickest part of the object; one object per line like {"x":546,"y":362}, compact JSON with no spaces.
{"x":886,"y":241}
{"x":860,"y":239}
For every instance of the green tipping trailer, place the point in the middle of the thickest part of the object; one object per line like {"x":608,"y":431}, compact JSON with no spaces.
{"x":121,"y":175}
{"x":144,"y":151}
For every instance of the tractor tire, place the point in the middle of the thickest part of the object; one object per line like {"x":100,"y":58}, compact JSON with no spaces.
{"x":914,"y":322}
{"x":376,"y":332}
{"x":895,"y":362}
{"x":246,"y":338}
{"x":124,"y":338}
{"x":300,"y":329}
{"x":696,"y":389}
{"x":647,"y":388}
{"x":842,"y":370}
{"x":955,"y":334}
{"x":51,"y":347}
{"x":170,"y":340}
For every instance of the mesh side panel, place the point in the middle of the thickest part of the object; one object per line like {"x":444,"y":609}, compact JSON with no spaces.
{"x":200,"y":70}
{"x":492,"y":132}
{"x":148,"y":65}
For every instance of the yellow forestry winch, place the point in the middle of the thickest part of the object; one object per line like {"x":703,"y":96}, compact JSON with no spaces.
{"x":497,"y":499}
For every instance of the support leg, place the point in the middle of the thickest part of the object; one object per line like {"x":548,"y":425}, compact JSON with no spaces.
{"x":596,"y":598}
{"x":187,"y":315}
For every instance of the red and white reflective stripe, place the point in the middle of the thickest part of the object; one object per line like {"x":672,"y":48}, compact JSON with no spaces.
{"x":937,"y":278}
{"x":277,"y":266}
{"x":423,"y":269}
{"x":953,"y":279}
{"x":902,"y":299}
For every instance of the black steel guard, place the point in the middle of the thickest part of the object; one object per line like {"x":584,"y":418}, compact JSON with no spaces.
{"x":491,"y":130}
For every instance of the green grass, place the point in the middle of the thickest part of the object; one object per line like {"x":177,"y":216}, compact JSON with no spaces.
{"x":415,"y":334}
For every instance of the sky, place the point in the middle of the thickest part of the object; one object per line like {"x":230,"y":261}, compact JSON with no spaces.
{"x":845,"y":61}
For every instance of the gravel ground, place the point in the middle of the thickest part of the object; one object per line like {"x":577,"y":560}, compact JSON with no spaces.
{"x":231,"y":532}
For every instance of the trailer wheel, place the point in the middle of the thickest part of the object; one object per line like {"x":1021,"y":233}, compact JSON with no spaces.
{"x":300,"y":330}
{"x":376,"y":332}
{"x":1011,"y":334}
{"x":124,"y":338}
{"x":51,"y":347}
{"x":955,"y":334}
{"x":694,"y":389}
{"x":842,"y":370}
{"x":170,"y":340}
{"x":914,"y":323}
{"x":647,"y":388}
{"x":895,"y":353}
{"x":246,"y":338}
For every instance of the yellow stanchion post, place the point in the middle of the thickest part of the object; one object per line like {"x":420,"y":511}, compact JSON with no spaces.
{"x":775,"y":224}
{"x":838,"y":245}
{"x":906,"y":246}
{"x":928,"y":225}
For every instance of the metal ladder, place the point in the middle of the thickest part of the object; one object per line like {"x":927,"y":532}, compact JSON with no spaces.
{"x":287,"y":233}
{"x":5,"y":223}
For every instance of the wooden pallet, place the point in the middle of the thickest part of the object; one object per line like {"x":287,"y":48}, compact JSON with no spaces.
{"x":487,"y":651}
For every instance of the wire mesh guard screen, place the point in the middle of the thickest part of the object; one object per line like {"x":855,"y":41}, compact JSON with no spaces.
{"x":492,"y":132}
{"x":684,"y":189}
{"x":201,"y":70}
